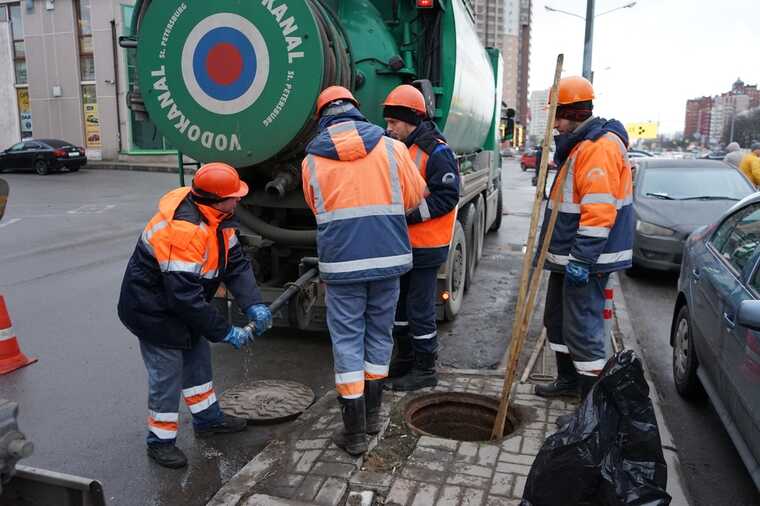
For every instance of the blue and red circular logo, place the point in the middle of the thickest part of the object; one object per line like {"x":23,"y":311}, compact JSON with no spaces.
{"x":225,"y":63}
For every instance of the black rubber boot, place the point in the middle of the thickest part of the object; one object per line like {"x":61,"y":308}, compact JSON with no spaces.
{"x":167,"y":455}
{"x":404,"y":360}
{"x":352,"y":437}
{"x":586,"y":383}
{"x":566,"y":383}
{"x":373,"y":395}
{"x":227,"y":425}
{"x":422,"y":375}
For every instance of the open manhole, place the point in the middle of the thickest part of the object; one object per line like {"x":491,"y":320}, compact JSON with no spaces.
{"x":267,"y":401}
{"x":456,"y":415}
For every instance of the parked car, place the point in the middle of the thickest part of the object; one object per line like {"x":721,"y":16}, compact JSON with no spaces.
{"x":719,"y":154}
{"x":715,"y":332}
{"x":42,"y":156}
{"x":672,"y":198}
{"x":639,"y":153}
{"x":529,"y":158}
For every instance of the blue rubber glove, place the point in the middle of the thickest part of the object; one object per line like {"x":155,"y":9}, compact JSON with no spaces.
{"x":577,"y":273}
{"x":261,"y":317}
{"x":238,"y":337}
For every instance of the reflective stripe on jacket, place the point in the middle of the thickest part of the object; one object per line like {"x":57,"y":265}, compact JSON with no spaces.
{"x":359,"y":185}
{"x":431,"y":225}
{"x":595,"y":224}
{"x":182,"y":256}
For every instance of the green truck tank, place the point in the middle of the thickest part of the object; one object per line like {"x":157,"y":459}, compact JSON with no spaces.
{"x":236,"y":81}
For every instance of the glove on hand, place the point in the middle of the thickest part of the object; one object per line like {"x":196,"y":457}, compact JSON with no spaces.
{"x":238,"y":337}
{"x":577,"y":273}
{"x":261,"y":317}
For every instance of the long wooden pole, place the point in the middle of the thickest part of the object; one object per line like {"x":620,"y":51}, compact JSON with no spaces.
{"x":523,"y":310}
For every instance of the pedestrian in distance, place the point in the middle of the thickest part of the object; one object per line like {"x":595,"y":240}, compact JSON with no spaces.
{"x":185,"y":252}
{"x":431,"y":228}
{"x":359,"y":184}
{"x":734,"y":155}
{"x":592,"y":238}
{"x":750,"y":164}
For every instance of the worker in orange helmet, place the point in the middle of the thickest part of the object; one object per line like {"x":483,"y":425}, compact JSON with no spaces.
{"x":592,"y":238}
{"x":431,"y":228}
{"x":185,"y":252}
{"x":359,"y":184}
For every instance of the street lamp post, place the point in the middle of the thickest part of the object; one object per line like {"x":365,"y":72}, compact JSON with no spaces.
{"x":588,"y":42}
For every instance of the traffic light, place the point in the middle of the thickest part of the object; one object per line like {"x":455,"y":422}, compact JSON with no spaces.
{"x":509,"y":131}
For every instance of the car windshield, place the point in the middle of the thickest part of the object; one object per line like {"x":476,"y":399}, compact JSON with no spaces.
{"x":685,"y":183}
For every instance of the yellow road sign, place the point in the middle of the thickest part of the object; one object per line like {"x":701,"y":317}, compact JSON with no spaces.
{"x":642,"y":130}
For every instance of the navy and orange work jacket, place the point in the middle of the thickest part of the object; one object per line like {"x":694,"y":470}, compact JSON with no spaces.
{"x":185,"y":252}
{"x":595,"y":224}
{"x":431,"y":225}
{"x":359,"y":184}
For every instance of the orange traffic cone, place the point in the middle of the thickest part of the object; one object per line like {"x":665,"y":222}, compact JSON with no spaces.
{"x":11,"y":357}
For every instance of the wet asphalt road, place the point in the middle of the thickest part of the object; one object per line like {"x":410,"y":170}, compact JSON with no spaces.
{"x":712,"y":469}
{"x":64,"y":244}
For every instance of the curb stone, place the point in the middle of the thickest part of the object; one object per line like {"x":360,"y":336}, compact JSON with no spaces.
{"x":630,"y":339}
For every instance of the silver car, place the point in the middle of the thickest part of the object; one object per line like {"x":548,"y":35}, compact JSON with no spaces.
{"x":715,"y":331}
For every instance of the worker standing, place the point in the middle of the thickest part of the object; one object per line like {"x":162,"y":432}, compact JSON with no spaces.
{"x":187,"y":249}
{"x":359,"y":184}
{"x":593,"y":236}
{"x":750,"y":164}
{"x":431,"y":227}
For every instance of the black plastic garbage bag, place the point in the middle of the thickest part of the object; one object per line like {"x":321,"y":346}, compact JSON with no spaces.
{"x":610,"y":454}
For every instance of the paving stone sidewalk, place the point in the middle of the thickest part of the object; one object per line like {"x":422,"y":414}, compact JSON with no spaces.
{"x":308,"y":469}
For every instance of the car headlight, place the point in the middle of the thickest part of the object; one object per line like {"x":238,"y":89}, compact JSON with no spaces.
{"x":652,"y":229}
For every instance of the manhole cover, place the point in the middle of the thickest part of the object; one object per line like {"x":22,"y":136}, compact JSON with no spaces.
{"x":267,"y":401}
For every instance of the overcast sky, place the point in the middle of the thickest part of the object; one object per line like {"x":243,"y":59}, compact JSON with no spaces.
{"x":649,"y":59}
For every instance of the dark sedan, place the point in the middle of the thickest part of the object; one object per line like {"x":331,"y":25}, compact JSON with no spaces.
{"x":42,"y":156}
{"x":715,"y":332}
{"x":672,"y":198}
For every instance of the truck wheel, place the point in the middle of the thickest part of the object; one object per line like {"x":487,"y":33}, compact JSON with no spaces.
{"x":480,"y":228}
{"x":499,"y":209}
{"x":470,"y":225}
{"x":457,"y":271}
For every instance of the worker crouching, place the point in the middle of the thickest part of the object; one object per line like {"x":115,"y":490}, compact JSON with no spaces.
{"x":431,"y":227}
{"x":187,"y":249}
{"x":359,"y":184}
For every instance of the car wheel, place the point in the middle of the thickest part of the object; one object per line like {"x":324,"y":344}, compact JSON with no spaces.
{"x":41,"y":167}
{"x":685,"y":358}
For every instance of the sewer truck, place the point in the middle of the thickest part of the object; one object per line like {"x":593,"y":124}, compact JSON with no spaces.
{"x":237,"y":81}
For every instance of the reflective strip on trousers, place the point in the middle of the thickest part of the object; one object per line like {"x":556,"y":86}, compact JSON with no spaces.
{"x":163,"y":425}
{"x":350,"y":385}
{"x":559,"y":348}
{"x":199,"y":398}
{"x":375,"y":371}
{"x":360,"y":212}
{"x":592,"y":368}
{"x":426,"y":336}
{"x":401,"y":324}
{"x":365,"y":264}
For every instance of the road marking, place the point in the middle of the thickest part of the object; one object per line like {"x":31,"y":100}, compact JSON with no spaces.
{"x":10,"y":222}
{"x":91,"y":209}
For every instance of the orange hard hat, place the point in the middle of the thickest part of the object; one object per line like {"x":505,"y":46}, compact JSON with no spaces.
{"x":407,"y":96}
{"x":333,"y":93}
{"x":219,"y":180}
{"x":574,"y":89}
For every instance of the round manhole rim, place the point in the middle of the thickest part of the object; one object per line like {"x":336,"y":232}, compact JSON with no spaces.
{"x":424,"y":401}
